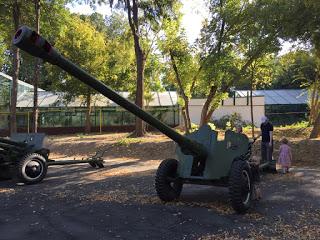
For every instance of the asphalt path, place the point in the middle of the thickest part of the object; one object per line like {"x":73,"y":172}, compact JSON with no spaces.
{"x":71,"y":204}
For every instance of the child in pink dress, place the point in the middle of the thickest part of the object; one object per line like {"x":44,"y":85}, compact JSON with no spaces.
{"x":285,"y":156}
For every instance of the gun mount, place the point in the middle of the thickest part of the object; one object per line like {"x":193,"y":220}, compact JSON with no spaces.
{"x":202,"y":158}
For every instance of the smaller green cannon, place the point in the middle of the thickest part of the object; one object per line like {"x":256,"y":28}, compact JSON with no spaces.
{"x":202,"y":159}
{"x":25,"y":158}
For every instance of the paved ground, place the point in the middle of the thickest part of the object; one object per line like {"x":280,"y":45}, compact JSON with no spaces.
{"x":119,"y":202}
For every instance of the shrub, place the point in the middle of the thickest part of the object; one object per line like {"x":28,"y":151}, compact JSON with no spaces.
{"x":229,"y":121}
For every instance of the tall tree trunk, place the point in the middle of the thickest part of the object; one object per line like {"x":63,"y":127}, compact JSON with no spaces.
{"x":315,"y":133}
{"x":185,"y":120}
{"x":251,"y":105}
{"x":88,"y":114}
{"x":140,"y":125}
{"x":133,"y":18}
{"x":36,"y":76}
{"x":16,"y":69}
{"x":205,"y":109}
{"x":186,"y":114}
{"x":186,"y":105}
{"x":312,"y":101}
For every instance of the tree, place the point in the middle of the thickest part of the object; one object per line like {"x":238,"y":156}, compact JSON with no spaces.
{"x":87,"y":48}
{"x":183,"y":64}
{"x":15,"y":8}
{"x":237,"y":34}
{"x":299,"y":20}
{"x":3,"y":46}
{"x":298,"y":69}
{"x":145,"y":18}
{"x":259,"y":73}
{"x":36,"y":75}
{"x":16,"y":63}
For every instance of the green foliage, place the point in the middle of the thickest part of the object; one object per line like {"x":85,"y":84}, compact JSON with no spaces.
{"x":127,"y":141}
{"x":298,"y":125}
{"x":229,"y":121}
{"x":87,"y":48}
{"x":194,"y":127}
{"x":294,"y":70}
{"x":237,"y":36}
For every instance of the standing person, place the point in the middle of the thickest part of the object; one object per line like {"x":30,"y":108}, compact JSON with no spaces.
{"x":267,"y":140}
{"x":285,"y":156}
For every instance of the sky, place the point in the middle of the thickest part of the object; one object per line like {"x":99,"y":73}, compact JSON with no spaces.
{"x":194,"y":12}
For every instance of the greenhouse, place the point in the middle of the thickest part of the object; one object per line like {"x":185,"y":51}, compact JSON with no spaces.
{"x":282,"y":106}
{"x":58,"y":116}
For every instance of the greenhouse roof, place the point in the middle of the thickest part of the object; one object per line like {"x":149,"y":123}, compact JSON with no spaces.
{"x":20,"y":83}
{"x":51,"y":99}
{"x":281,"y":96}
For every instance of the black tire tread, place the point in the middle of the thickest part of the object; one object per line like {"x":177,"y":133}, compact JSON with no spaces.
{"x":235,"y":185}
{"x":19,"y":176}
{"x":164,"y":190}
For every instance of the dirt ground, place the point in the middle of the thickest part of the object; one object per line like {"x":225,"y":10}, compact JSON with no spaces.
{"x":119,"y":201}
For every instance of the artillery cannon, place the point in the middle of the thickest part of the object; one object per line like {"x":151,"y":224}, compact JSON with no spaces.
{"x":25,"y":158}
{"x":202,"y":159}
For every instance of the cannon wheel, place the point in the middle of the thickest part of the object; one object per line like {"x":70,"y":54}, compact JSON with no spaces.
{"x":100,"y":165}
{"x":31,"y":169}
{"x":93,"y":164}
{"x":240,"y":186}
{"x":167,"y":187}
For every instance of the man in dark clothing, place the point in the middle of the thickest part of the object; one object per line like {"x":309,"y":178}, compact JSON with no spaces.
{"x":267,"y":140}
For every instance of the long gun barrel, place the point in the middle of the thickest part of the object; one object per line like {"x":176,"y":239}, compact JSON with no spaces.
{"x":32,"y":43}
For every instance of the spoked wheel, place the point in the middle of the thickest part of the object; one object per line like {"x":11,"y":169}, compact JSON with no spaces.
{"x":240,"y":186}
{"x":167,"y":185}
{"x":31,"y":169}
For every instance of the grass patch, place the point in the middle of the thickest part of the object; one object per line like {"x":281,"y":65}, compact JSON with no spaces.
{"x":127,"y":141}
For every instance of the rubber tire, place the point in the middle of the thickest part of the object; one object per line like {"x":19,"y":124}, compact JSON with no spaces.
{"x":236,"y":184}
{"x":93,"y":164}
{"x":100,"y":165}
{"x":20,"y":170}
{"x":167,"y":192}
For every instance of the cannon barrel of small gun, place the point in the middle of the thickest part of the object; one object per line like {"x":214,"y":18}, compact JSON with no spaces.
{"x":32,"y":43}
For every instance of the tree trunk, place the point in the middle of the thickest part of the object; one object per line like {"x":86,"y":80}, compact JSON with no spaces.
{"x":251,"y":105}
{"x":204,"y":112}
{"x":36,"y":76}
{"x":312,"y":101}
{"x":16,"y":69}
{"x":315,"y":133}
{"x":186,"y":105}
{"x":88,"y":114}
{"x":186,"y":114}
{"x":209,"y":114}
{"x":133,"y":19}
{"x":140,"y":125}
{"x":185,"y":120}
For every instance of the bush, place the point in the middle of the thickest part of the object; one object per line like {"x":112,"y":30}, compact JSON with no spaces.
{"x":127,"y":141}
{"x":229,"y":121}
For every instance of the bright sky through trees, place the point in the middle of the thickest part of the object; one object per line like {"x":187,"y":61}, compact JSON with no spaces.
{"x":194,"y":13}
